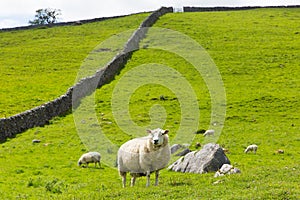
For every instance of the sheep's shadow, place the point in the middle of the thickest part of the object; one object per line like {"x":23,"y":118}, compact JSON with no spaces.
{"x":92,"y":167}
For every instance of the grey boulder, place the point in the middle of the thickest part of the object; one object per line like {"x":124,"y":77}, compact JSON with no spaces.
{"x":209,"y":159}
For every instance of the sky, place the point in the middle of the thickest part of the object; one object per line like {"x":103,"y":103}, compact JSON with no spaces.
{"x":18,"y":12}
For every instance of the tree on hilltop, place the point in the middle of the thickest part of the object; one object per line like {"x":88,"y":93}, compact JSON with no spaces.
{"x":45,"y":16}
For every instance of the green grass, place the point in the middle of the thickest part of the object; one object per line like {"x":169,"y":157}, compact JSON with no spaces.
{"x":39,"y":65}
{"x":257,"y":54}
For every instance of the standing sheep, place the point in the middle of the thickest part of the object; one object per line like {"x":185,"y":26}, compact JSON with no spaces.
{"x":252,"y":147}
{"x":142,"y":156}
{"x":90,"y":157}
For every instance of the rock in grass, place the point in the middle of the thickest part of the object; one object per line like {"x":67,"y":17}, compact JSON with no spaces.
{"x":175,"y":147}
{"x":227,"y":169}
{"x":209,"y":159}
{"x":36,"y":141}
{"x":184,"y":152}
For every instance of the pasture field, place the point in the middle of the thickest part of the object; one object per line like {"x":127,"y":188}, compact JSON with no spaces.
{"x":257,"y":53}
{"x":39,"y":65}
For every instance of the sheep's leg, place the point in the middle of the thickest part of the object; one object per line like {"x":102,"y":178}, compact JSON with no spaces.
{"x":98,"y":164}
{"x":133,"y":178}
{"x":123,"y":175}
{"x":148,"y":178}
{"x":156,"y":177}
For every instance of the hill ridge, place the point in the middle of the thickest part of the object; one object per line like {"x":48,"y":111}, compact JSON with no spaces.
{"x":185,"y":9}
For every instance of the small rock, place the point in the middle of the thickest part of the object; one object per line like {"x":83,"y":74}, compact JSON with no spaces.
{"x":217,"y":174}
{"x":280,"y":151}
{"x":36,"y":141}
{"x":227,"y":169}
{"x":175,"y":148}
{"x":184,"y":152}
{"x":225,"y":150}
{"x":197,"y":145}
{"x":235,"y":171}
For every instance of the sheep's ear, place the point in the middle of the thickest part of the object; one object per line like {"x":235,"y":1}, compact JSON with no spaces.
{"x":165,"y":132}
{"x":149,"y":131}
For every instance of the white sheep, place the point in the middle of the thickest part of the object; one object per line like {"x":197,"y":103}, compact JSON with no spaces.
{"x":90,"y":157}
{"x":142,"y":156}
{"x":252,"y":147}
{"x":209,"y":133}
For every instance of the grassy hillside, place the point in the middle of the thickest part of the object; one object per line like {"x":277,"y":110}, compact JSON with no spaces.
{"x":257,"y":54}
{"x":38,"y":65}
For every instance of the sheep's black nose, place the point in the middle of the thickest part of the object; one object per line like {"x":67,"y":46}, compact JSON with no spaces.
{"x":155,"y":141}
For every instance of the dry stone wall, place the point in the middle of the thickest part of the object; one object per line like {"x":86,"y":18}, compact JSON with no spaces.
{"x":41,"y":115}
{"x":209,"y":9}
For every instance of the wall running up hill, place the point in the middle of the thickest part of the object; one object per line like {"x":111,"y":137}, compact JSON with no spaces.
{"x":40,"y":116}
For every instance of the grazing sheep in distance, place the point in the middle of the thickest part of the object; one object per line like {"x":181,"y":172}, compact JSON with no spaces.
{"x":209,"y":133}
{"x":142,"y":156}
{"x":90,"y":157}
{"x":252,"y":147}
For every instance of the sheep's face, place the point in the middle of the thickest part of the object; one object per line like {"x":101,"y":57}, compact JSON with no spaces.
{"x":157,"y":136}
